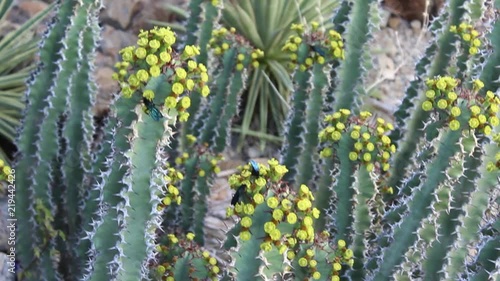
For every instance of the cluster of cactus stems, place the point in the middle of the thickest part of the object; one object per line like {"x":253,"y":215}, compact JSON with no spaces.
{"x":351,"y":196}
{"x":277,"y":225}
{"x":223,"y":38}
{"x":174,"y":264}
{"x":316,"y":41}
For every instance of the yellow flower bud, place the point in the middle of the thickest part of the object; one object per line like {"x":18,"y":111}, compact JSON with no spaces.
{"x":291,"y":218}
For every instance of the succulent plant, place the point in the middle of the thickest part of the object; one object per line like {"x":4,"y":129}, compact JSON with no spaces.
{"x":351,"y":197}
{"x":17,"y":50}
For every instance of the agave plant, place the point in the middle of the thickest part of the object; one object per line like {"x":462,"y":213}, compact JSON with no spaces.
{"x":17,"y":51}
{"x":269,"y":84}
{"x":266,"y":25}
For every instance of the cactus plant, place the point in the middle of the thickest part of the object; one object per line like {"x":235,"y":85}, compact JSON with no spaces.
{"x":266,"y":98}
{"x":352,"y":197}
{"x":17,"y":49}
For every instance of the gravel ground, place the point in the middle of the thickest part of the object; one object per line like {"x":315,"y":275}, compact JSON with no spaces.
{"x":395,"y":50}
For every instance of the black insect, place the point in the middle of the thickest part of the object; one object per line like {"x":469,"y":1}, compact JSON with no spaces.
{"x":318,"y":50}
{"x":255,"y":168}
{"x":237,"y":194}
{"x":151,"y":110}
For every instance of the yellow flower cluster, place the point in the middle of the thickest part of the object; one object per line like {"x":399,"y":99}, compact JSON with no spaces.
{"x":223,"y":39}
{"x":170,"y":192}
{"x":320,"y":46}
{"x":214,"y":161}
{"x":182,"y":158}
{"x":254,"y":185}
{"x":308,"y":261}
{"x":372,"y":147}
{"x":201,"y":150}
{"x":482,"y":111}
{"x":5,"y":171}
{"x":469,"y":35}
{"x":175,"y":248}
{"x":286,"y":206}
{"x":290,"y":227}
{"x":341,"y":255}
{"x":154,"y":56}
{"x":495,"y":165}
{"x":291,"y":209}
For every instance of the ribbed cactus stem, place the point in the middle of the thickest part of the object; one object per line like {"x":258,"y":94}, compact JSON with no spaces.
{"x":405,"y":231}
{"x":419,"y":116}
{"x":339,"y":23}
{"x":356,"y":35}
{"x":79,"y":131}
{"x":475,"y":9}
{"x":219,"y":98}
{"x":107,"y":220}
{"x":491,"y":72}
{"x":247,"y":265}
{"x":274,"y":264}
{"x":212,"y":123}
{"x":487,"y":260}
{"x":37,"y":98}
{"x":295,"y":129}
{"x":312,"y":119}
{"x":212,"y":126}
{"x":410,"y":182}
{"x":53,"y":142}
{"x":202,"y":187}
{"x":343,"y":192}
{"x":140,"y":200}
{"x":90,"y":208}
{"x":212,"y":14}
{"x":475,"y":214}
{"x":448,"y":221}
{"x":222,"y":131}
{"x":188,"y":193}
{"x":364,"y":200}
{"x":205,"y":27}
{"x":194,"y":19}
{"x":324,"y":195}
{"x":341,"y":16}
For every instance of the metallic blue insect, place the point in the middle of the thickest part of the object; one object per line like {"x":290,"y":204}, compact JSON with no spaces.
{"x":255,"y":168}
{"x":151,"y":110}
{"x":318,"y":50}
{"x":239,"y":192}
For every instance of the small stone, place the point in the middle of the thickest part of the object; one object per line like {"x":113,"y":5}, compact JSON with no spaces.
{"x":253,"y":152}
{"x":410,"y":9}
{"x":394,"y":22}
{"x":114,"y":40}
{"x":121,"y":12}
{"x":102,"y":60}
{"x":386,"y":67}
{"x":220,"y":192}
{"x":107,"y":86}
{"x":104,"y":80}
{"x":384,"y":17}
{"x":5,"y":265}
{"x":32,"y":7}
{"x":416,"y":25}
